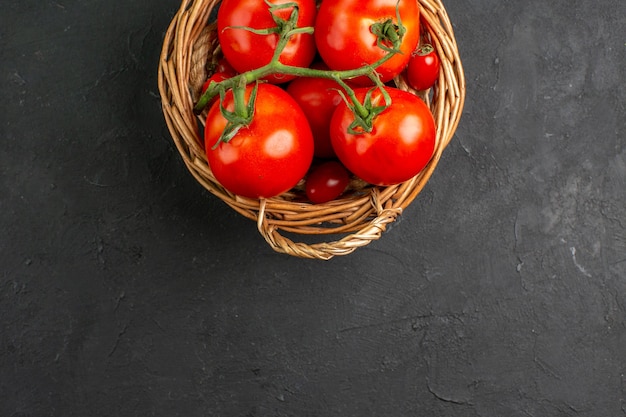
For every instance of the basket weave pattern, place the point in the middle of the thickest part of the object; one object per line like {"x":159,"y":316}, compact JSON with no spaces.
{"x":362,"y":214}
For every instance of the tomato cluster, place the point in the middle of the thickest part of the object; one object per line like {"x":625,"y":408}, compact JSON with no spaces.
{"x":307,"y":92}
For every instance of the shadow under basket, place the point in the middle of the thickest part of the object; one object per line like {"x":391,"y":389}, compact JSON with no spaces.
{"x":363,"y":212}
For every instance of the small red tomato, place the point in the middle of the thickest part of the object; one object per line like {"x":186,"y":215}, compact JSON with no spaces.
{"x":326,"y":182}
{"x":423,"y":68}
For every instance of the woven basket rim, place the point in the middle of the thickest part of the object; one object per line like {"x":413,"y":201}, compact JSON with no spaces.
{"x":191,"y":42}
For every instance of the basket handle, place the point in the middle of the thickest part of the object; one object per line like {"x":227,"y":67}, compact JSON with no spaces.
{"x":326,"y":250}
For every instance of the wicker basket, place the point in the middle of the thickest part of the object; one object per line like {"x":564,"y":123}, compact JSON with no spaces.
{"x":358,"y":217}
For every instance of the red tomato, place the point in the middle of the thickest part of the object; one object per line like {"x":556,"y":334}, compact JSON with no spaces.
{"x":399,"y":146}
{"x":267,"y":157}
{"x":345,"y":41}
{"x":246,"y":50}
{"x":326,"y":182}
{"x":318,"y":97}
{"x":423,"y":68}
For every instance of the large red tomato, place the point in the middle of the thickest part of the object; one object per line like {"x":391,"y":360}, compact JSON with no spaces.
{"x":344,"y":38}
{"x":399,"y":146}
{"x":246,"y":50}
{"x":267,"y":157}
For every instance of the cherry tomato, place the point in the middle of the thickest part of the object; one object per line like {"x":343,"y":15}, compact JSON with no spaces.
{"x":345,"y":40}
{"x":399,"y":146}
{"x":318,"y":97}
{"x":423,"y":68}
{"x":326,"y":182}
{"x":246,"y":50}
{"x":267,"y":157}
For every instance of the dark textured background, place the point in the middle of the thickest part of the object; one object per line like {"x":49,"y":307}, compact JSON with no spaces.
{"x":127,"y":290}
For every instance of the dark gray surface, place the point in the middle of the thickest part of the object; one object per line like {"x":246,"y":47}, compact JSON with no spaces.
{"x":127,"y":290}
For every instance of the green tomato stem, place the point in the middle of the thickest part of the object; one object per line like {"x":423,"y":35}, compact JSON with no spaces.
{"x":277,"y":67}
{"x":387,"y":33}
{"x":239,"y":99}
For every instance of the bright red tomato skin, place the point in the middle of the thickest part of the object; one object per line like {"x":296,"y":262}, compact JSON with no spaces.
{"x":266,"y":158}
{"x":326,"y":182}
{"x":423,"y":68}
{"x":246,"y":51}
{"x":318,"y":97}
{"x":344,"y":39}
{"x":400,"y":145}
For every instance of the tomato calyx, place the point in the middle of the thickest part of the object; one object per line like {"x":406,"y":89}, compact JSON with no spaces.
{"x":287,"y":28}
{"x":366,"y":112}
{"x":389,"y":34}
{"x":424,"y":49}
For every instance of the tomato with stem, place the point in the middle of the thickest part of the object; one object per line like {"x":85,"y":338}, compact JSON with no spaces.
{"x":264,"y":156}
{"x":352,"y":33}
{"x":399,"y":143}
{"x":249,"y":32}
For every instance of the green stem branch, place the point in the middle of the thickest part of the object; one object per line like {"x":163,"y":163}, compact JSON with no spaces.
{"x":389,"y":38}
